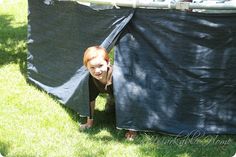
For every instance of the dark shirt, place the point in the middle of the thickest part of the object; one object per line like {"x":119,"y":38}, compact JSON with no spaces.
{"x":96,"y":87}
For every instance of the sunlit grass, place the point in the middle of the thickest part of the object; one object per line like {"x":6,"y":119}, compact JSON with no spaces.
{"x":32,"y":124}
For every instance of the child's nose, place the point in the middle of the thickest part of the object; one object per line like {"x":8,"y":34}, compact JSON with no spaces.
{"x":97,"y":70}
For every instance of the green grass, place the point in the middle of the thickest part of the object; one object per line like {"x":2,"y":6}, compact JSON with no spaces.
{"x":32,"y":124}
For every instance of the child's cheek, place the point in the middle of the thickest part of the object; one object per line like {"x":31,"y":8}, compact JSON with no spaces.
{"x":104,"y":68}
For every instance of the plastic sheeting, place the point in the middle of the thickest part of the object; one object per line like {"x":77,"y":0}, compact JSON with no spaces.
{"x":59,"y":33}
{"x":174,"y":71}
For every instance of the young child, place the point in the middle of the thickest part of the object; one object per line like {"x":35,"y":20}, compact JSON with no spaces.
{"x":97,"y":61}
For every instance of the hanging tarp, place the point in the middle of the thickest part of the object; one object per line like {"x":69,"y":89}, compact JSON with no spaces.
{"x":59,"y":32}
{"x":174,"y":71}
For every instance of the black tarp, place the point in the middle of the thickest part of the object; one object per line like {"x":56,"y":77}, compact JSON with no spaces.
{"x":58,"y":35}
{"x":174,"y":71}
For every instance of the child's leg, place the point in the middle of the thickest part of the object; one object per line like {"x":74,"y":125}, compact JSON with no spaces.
{"x":130,"y":135}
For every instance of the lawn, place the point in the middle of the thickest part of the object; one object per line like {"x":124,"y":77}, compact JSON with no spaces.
{"x":32,"y":124}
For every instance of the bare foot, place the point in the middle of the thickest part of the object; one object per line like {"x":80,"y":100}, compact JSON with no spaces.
{"x":87,"y":125}
{"x":130,"y":135}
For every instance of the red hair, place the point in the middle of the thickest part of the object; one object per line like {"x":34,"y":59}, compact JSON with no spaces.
{"x":93,"y":52}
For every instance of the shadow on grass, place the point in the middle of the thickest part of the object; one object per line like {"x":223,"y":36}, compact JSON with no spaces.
{"x":157,"y":144}
{"x":208,"y":146}
{"x":13,"y":43}
{"x":4,"y":148}
{"x":104,"y":120}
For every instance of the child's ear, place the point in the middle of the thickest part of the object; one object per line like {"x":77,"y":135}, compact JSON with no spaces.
{"x":108,"y":63}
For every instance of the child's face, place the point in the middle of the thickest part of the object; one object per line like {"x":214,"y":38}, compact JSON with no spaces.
{"x":98,"y":68}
